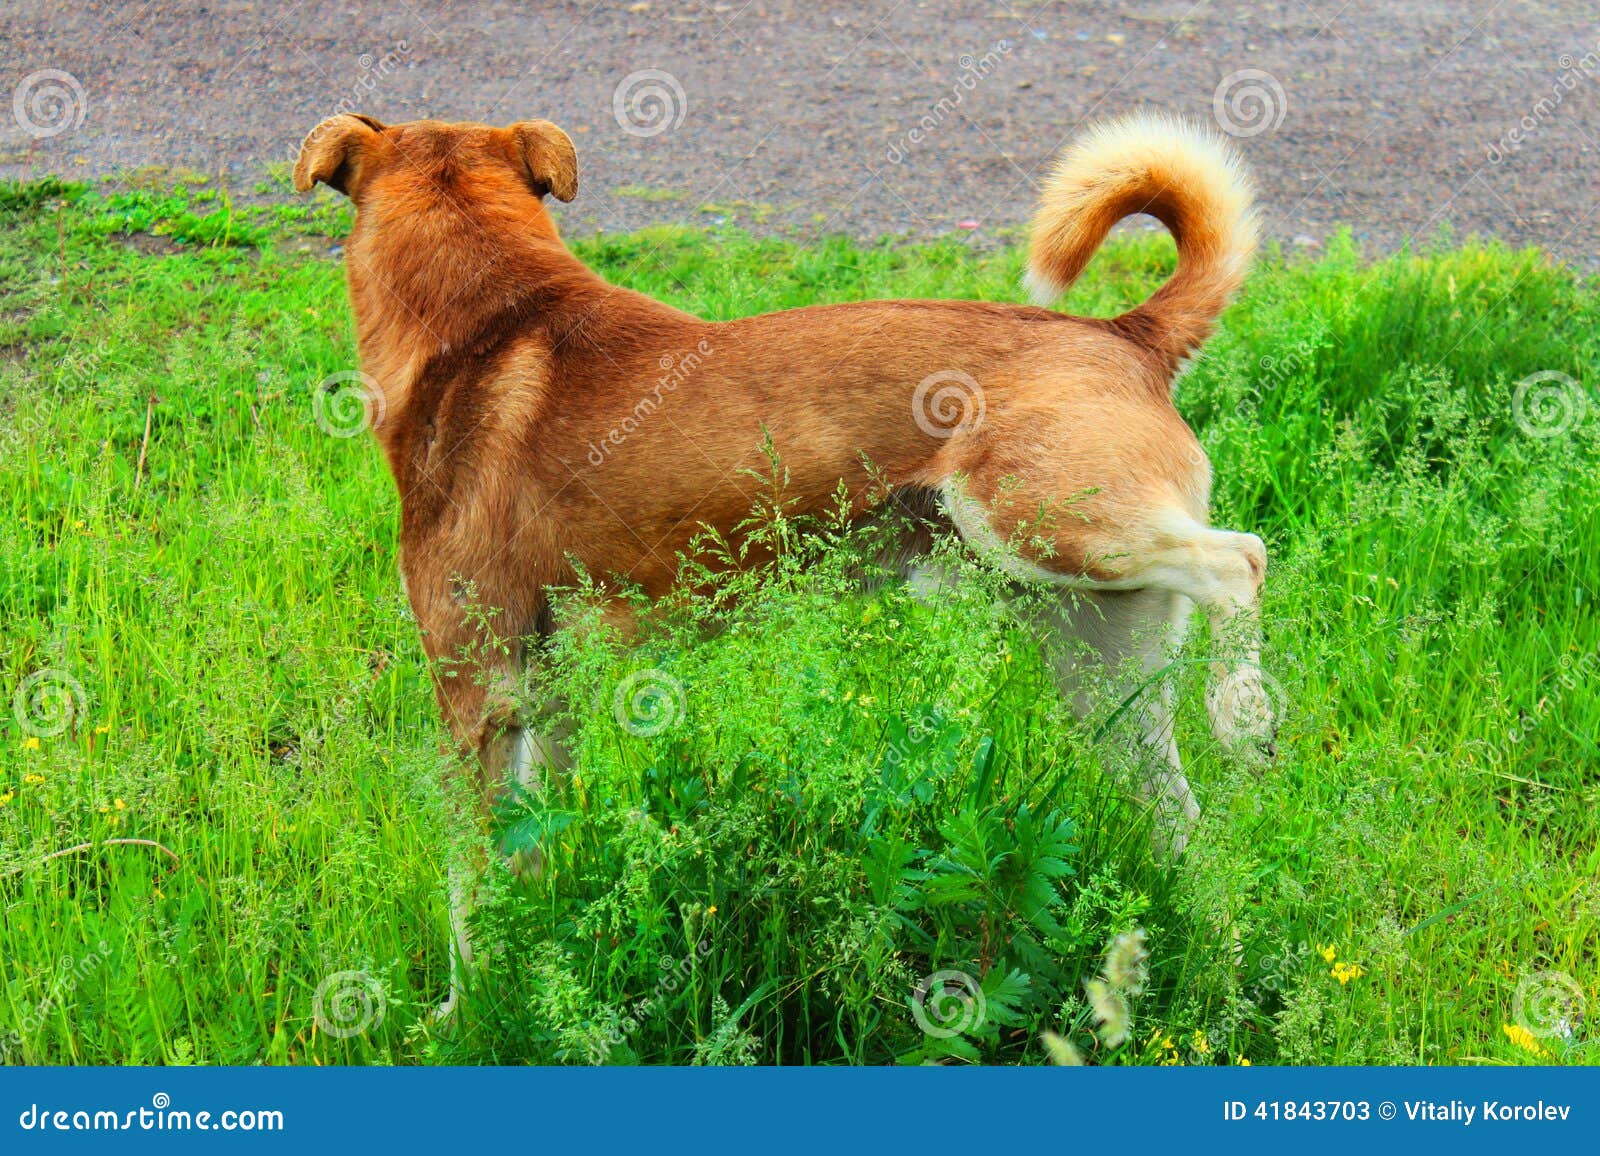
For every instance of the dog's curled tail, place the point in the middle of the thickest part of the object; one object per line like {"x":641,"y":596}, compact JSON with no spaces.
{"x":1177,"y":172}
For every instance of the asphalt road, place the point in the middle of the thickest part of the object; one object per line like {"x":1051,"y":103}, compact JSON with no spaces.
{"x":887,"y":116}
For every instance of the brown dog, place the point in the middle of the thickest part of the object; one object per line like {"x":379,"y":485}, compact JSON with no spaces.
{"x":533,"y":414}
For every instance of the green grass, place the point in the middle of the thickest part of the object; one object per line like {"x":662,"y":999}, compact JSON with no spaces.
{"x":855,"y":790}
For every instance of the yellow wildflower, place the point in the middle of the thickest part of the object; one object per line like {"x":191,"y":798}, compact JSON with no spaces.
{"x":1199,"y":1043}
{"x":34,"y":779}
{"x":1345,"y":972}
{"x":1329,"y":953}
{"x":31,"y":743}
{"x":103,"y":728}
{"x":1168,"y":1050}
{"x":1524,"y":1039}
{"x":712,"y":910}
{"x":7,"y":797}
{"x":1242,"y":1061}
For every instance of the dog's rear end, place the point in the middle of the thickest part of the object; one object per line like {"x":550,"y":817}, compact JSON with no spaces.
{"x":536,"y":417}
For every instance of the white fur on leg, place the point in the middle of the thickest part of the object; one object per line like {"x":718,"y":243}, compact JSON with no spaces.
{"x":532,"y":755}
{"x":535,"y":756}
{"x":1132,"y":635}
{"x":928,"y":581}
{"x":1239,"y":703}
{"x":1176,"y":812}
{"x":462,"y":902}
{"x":1164,"y":786}
{"x":524,"y":762}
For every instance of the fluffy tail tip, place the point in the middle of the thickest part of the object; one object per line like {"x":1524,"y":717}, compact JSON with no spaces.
{"x":1144,"y":162}
{"x":1040,"y":287}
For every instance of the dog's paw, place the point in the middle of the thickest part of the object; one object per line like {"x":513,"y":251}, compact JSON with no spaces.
{"x":1244,"y":704}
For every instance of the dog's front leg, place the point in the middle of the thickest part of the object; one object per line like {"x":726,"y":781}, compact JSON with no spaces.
{"x":487,"y":737}
{"x":477,"y":658}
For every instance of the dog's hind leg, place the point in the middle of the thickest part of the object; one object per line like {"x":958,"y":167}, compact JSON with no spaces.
{"x":1107,"y":649}
{"x":1150,"y":545}
{"x":1160,"y":548}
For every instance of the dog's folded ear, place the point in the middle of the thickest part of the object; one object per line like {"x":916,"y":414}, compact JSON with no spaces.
{"x":552,"y":161}
{"x":333,"y":153}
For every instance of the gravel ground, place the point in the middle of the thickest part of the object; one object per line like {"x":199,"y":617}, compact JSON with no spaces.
{"x":887,"y":116}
